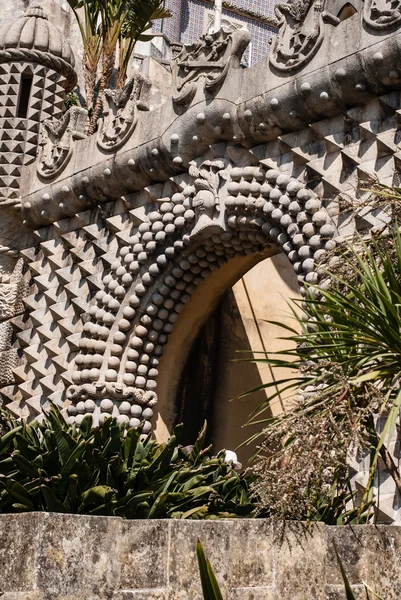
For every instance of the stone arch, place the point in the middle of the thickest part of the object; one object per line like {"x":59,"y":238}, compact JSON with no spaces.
{"x":219,"y":212}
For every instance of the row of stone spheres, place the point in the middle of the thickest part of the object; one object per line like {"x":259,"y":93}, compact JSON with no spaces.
{"x":105,"y":239}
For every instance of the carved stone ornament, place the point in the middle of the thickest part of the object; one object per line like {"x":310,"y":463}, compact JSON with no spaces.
{"x":129,"y":405}
{"x":207,"y":60}
{"x":120,"y":111}
{"x":381,"y":14}
{"x":206,"y":201}
{"x":301,"y":31}
{"x":57,"y":141}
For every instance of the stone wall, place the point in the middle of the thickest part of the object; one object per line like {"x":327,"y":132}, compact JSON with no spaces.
{"x":68,"y":557}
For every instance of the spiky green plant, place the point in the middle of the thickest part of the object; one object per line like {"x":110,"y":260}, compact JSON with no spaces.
{"x":55,"y":467}
{"x":346,"y":367}
{"x":210,"y":587}
{"x":106,"y":25}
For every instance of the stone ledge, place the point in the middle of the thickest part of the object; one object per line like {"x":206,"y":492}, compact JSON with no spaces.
{"x":47,"y":556}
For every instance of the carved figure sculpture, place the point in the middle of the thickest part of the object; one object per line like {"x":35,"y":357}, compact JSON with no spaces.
{"x":301,"y":33}
{"x":121,"y":112}
{"x":57,"y":141}
{"x":208,"y":59}
{"x":206,"y":202}
{"x":380,"y":14}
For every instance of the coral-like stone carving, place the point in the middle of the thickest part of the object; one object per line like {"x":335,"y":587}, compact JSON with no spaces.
{"x":206,"y":202}
{"x":57,"y":141}
{"x":381,"y":14}
{"x":207,"y":60}
{"x":301,"y":33}
{"x":121,"y":112}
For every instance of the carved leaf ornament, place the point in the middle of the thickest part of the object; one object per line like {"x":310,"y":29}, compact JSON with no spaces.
{"x":208,"y":59}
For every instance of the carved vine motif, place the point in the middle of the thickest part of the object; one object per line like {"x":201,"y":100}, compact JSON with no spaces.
{"x":129,"y":405}
{"x":380,"y":14}
{"x":57,"y":141}
{"x":208,"y":59}
{"x":206,"y":202}
{"x":113,"y":390}
{"x":301,"y":25}
{"x":121,"y":112}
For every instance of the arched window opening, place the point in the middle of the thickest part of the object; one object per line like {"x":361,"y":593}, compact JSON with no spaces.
{"x":24,"y":96}
{"x":347,"y":11}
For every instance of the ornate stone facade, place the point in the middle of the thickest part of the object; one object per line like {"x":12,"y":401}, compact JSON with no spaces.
{"x":118,"y":230}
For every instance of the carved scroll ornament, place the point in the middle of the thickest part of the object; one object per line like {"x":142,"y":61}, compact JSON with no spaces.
{"x":207,"y":60}
{"x":381,"y":14}
{"x":121,"y":112}
{"x":301,"y":31}
{"x":57,"y":141}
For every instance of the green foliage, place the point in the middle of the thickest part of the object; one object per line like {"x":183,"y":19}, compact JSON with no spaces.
{"x":55,"y":467}
{"x":210,"y":587}
{"x":72,"y":99}
{"x":346,"y":364}
{"x":104,"y":26}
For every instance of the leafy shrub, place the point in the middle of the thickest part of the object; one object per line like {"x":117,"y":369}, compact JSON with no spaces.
{"x":344,"y":372}
{"x":55,"y":467}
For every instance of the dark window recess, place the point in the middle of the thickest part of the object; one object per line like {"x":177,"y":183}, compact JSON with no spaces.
{"x":24,"y":96}
{"x":347,"y":11}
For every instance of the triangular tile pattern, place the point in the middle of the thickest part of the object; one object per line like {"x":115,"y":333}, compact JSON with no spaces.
{"x":19,"y":138}
{"x":339,"y":155}
{"x":67,"y":268}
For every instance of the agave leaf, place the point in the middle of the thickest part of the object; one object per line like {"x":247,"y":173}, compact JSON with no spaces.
{"x":52,"y":503}
{"x":349,"y":594}
{"x":210,"y":587}
{"x":96,"y":495}
{"x":7,"y":439}
{"x":199,"y":444}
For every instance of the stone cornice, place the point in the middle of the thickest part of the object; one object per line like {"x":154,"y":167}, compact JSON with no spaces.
{"x":248,"y":109}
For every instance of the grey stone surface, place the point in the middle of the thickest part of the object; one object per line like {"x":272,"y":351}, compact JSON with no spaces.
{"x":187,"y":171}
{"x":69,"y":557}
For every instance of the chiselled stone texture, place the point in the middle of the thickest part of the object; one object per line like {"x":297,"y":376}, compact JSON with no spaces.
{"x":118,"y":229}
{"x":33,"y":50}
{"x":69,"y":557}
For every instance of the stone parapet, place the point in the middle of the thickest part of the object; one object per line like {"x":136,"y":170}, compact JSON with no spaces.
{"x":69,"y":557}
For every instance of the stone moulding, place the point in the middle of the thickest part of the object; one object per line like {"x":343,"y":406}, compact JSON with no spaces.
{"x":245,"y":111}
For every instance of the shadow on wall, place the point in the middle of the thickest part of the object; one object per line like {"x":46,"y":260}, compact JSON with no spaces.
{"x":211,"y":377}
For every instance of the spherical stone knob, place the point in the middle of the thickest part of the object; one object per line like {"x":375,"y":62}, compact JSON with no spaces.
{"x":106,"y":405}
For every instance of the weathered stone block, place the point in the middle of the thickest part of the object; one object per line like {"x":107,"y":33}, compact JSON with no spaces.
{"x":18,"y":546}
{"x":300,"y":562}
{"x":216,"y":541}
{"x":143,"y":554}
{"x":371,"y":554}
{"x":253,"y":594}
{"x":252,"y":553}
{"x":78,"y":556}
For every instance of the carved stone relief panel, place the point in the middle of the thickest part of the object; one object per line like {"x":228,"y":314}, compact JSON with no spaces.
{"x":57,"y":145}
{"x":301,"y":31}
{"x":121,"y":112}
{"x":382,"y":14}
{"x":207,"y":62}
